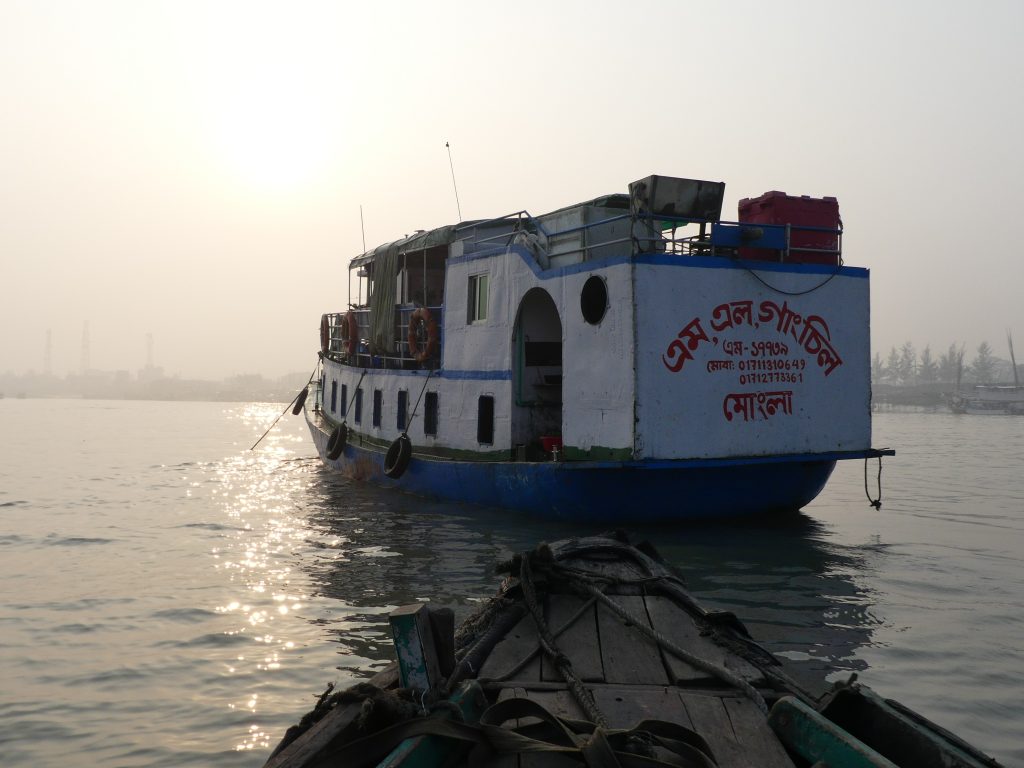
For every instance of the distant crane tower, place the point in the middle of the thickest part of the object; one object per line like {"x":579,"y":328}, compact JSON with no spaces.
{"x":48,"y":353}
{"x":86,"y":362}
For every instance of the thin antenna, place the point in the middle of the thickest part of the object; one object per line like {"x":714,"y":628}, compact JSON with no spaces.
{"x":1013,"y":360}
{"x":459,"y":207}
{"x":362,"y":227}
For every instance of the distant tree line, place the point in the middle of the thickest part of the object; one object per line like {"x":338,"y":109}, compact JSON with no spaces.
{"x":905,"y":367}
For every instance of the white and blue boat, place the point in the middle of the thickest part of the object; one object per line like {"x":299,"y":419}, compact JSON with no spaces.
{"x":632,"y":357}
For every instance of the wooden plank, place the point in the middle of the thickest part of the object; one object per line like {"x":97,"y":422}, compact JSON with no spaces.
{"x":319,"y":738}
{"x":418,"y":663}
{"x":559,"y":703}
{"x":815,"y":738}
{"x":509,"y":652}
{"x":508,"y":761}
{"x":751,"y":728}
{"x":711,"y":721}
{"x":712,"y":718}
{"x":627,"y":655}
{"x":578,"y":641}
{"x":678,"y":626}
{"x":625,"y":706}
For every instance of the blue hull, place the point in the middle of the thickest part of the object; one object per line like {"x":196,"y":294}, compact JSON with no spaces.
{"x":603,"y":491}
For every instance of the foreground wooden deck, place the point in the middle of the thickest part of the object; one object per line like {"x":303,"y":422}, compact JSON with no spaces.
{"x":632,"y":678}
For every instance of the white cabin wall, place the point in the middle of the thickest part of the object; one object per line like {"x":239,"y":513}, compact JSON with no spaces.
{"x":712,"y":406}
{"x":485,"y":345}
{"x":597,"y":361}
{"x":597,"y":368}
{"x":457,"y":407}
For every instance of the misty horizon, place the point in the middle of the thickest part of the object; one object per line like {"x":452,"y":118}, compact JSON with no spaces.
{"x":204,"y":173}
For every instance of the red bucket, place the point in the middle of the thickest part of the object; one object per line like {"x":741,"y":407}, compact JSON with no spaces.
{"x":551,"y":442}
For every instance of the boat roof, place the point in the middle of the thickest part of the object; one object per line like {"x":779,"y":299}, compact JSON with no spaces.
{"x":419,"y":241}
{"x":446,"y":235}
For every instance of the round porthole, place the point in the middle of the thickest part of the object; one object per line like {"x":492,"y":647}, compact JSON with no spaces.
{"x":594,"y":300}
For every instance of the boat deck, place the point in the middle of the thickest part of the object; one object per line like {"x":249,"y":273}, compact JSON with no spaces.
{"x":631,"y":678}
{"x":594,"y":650}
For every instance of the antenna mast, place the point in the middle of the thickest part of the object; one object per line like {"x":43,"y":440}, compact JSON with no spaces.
{"x":362,"y":227}
{"x":457,"y":206}
{"x":1013,"y":361}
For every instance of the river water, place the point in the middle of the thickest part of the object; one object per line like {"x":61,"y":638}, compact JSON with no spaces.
{"x":169,"y":598}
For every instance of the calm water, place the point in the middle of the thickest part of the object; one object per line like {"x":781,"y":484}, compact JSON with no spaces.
{"x":169,"y":598}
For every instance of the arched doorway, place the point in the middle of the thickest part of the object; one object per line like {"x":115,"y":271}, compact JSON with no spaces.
{"x":536,"y":374}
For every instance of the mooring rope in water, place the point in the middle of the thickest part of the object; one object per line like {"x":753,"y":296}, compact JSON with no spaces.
{"x":297,"y":395}
{"x":877,"y":502}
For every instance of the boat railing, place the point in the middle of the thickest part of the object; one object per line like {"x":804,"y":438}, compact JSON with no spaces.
{"x":399,"y":356}
{"x":784,"y":243}
{"x":480,"y":235}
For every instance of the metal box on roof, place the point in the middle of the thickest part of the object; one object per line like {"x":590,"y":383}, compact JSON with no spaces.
{"x":677,"y":198}
{"x":814,"y":227}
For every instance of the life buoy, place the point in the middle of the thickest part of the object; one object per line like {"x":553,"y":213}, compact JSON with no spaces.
{"x":325,"y":334}
{"x":422,"y":353}
{"x":350,"y":333}
{"x":300,"y":400}
{"x":336,"y":442}
{"x":396,"y":461}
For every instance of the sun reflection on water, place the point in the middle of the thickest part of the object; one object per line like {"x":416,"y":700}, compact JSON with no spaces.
{"x":265,"y":595}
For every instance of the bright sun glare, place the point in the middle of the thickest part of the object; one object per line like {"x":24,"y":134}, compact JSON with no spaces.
{"x":273,"y":97}
{"x":273,"y":132}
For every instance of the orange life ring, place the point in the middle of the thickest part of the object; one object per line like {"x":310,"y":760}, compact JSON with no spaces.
{"x":325,"y":334}
{"x":418,"y":317}
{"x":350,"y":332}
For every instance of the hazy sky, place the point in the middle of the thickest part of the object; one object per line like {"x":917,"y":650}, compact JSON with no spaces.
{"x":194,"y":170}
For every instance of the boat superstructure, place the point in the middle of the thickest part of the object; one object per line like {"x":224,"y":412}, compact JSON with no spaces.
{"x":990,"y":399}
{"x":630,"y":356}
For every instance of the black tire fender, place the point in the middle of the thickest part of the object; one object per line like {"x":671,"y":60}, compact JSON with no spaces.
{"x":300,"y":401}
{"x":397,"y":459}
{"x":336,"y":442}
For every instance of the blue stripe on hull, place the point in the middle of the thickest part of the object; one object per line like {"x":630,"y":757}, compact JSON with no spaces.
{"x":600,"y":492}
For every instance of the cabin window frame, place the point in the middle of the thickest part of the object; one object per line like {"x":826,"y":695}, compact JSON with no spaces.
{"x":358,"y":418}
{"x":431,"y":410}
{"x":334,"y":395}
{"x":378,"y":407}
{"x":485,"y":419}
{"x":478,"y":298}
{"x":344,"y":401}
{"x":402,"y":411}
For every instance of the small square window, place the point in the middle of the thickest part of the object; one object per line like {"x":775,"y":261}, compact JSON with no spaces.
{"x":378,"y":399}
{"x":359,"y":406}
{"x":477,"y":298}
{"x":430,"y":414}
{"x":334,"y":396}
{"x":344,"y":400}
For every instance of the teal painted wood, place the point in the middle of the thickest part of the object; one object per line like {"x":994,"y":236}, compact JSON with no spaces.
{"x":808,"y":734}
{"x":432,"y":751}
{"x":904,"y":736}
{"x":414,"y":643}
